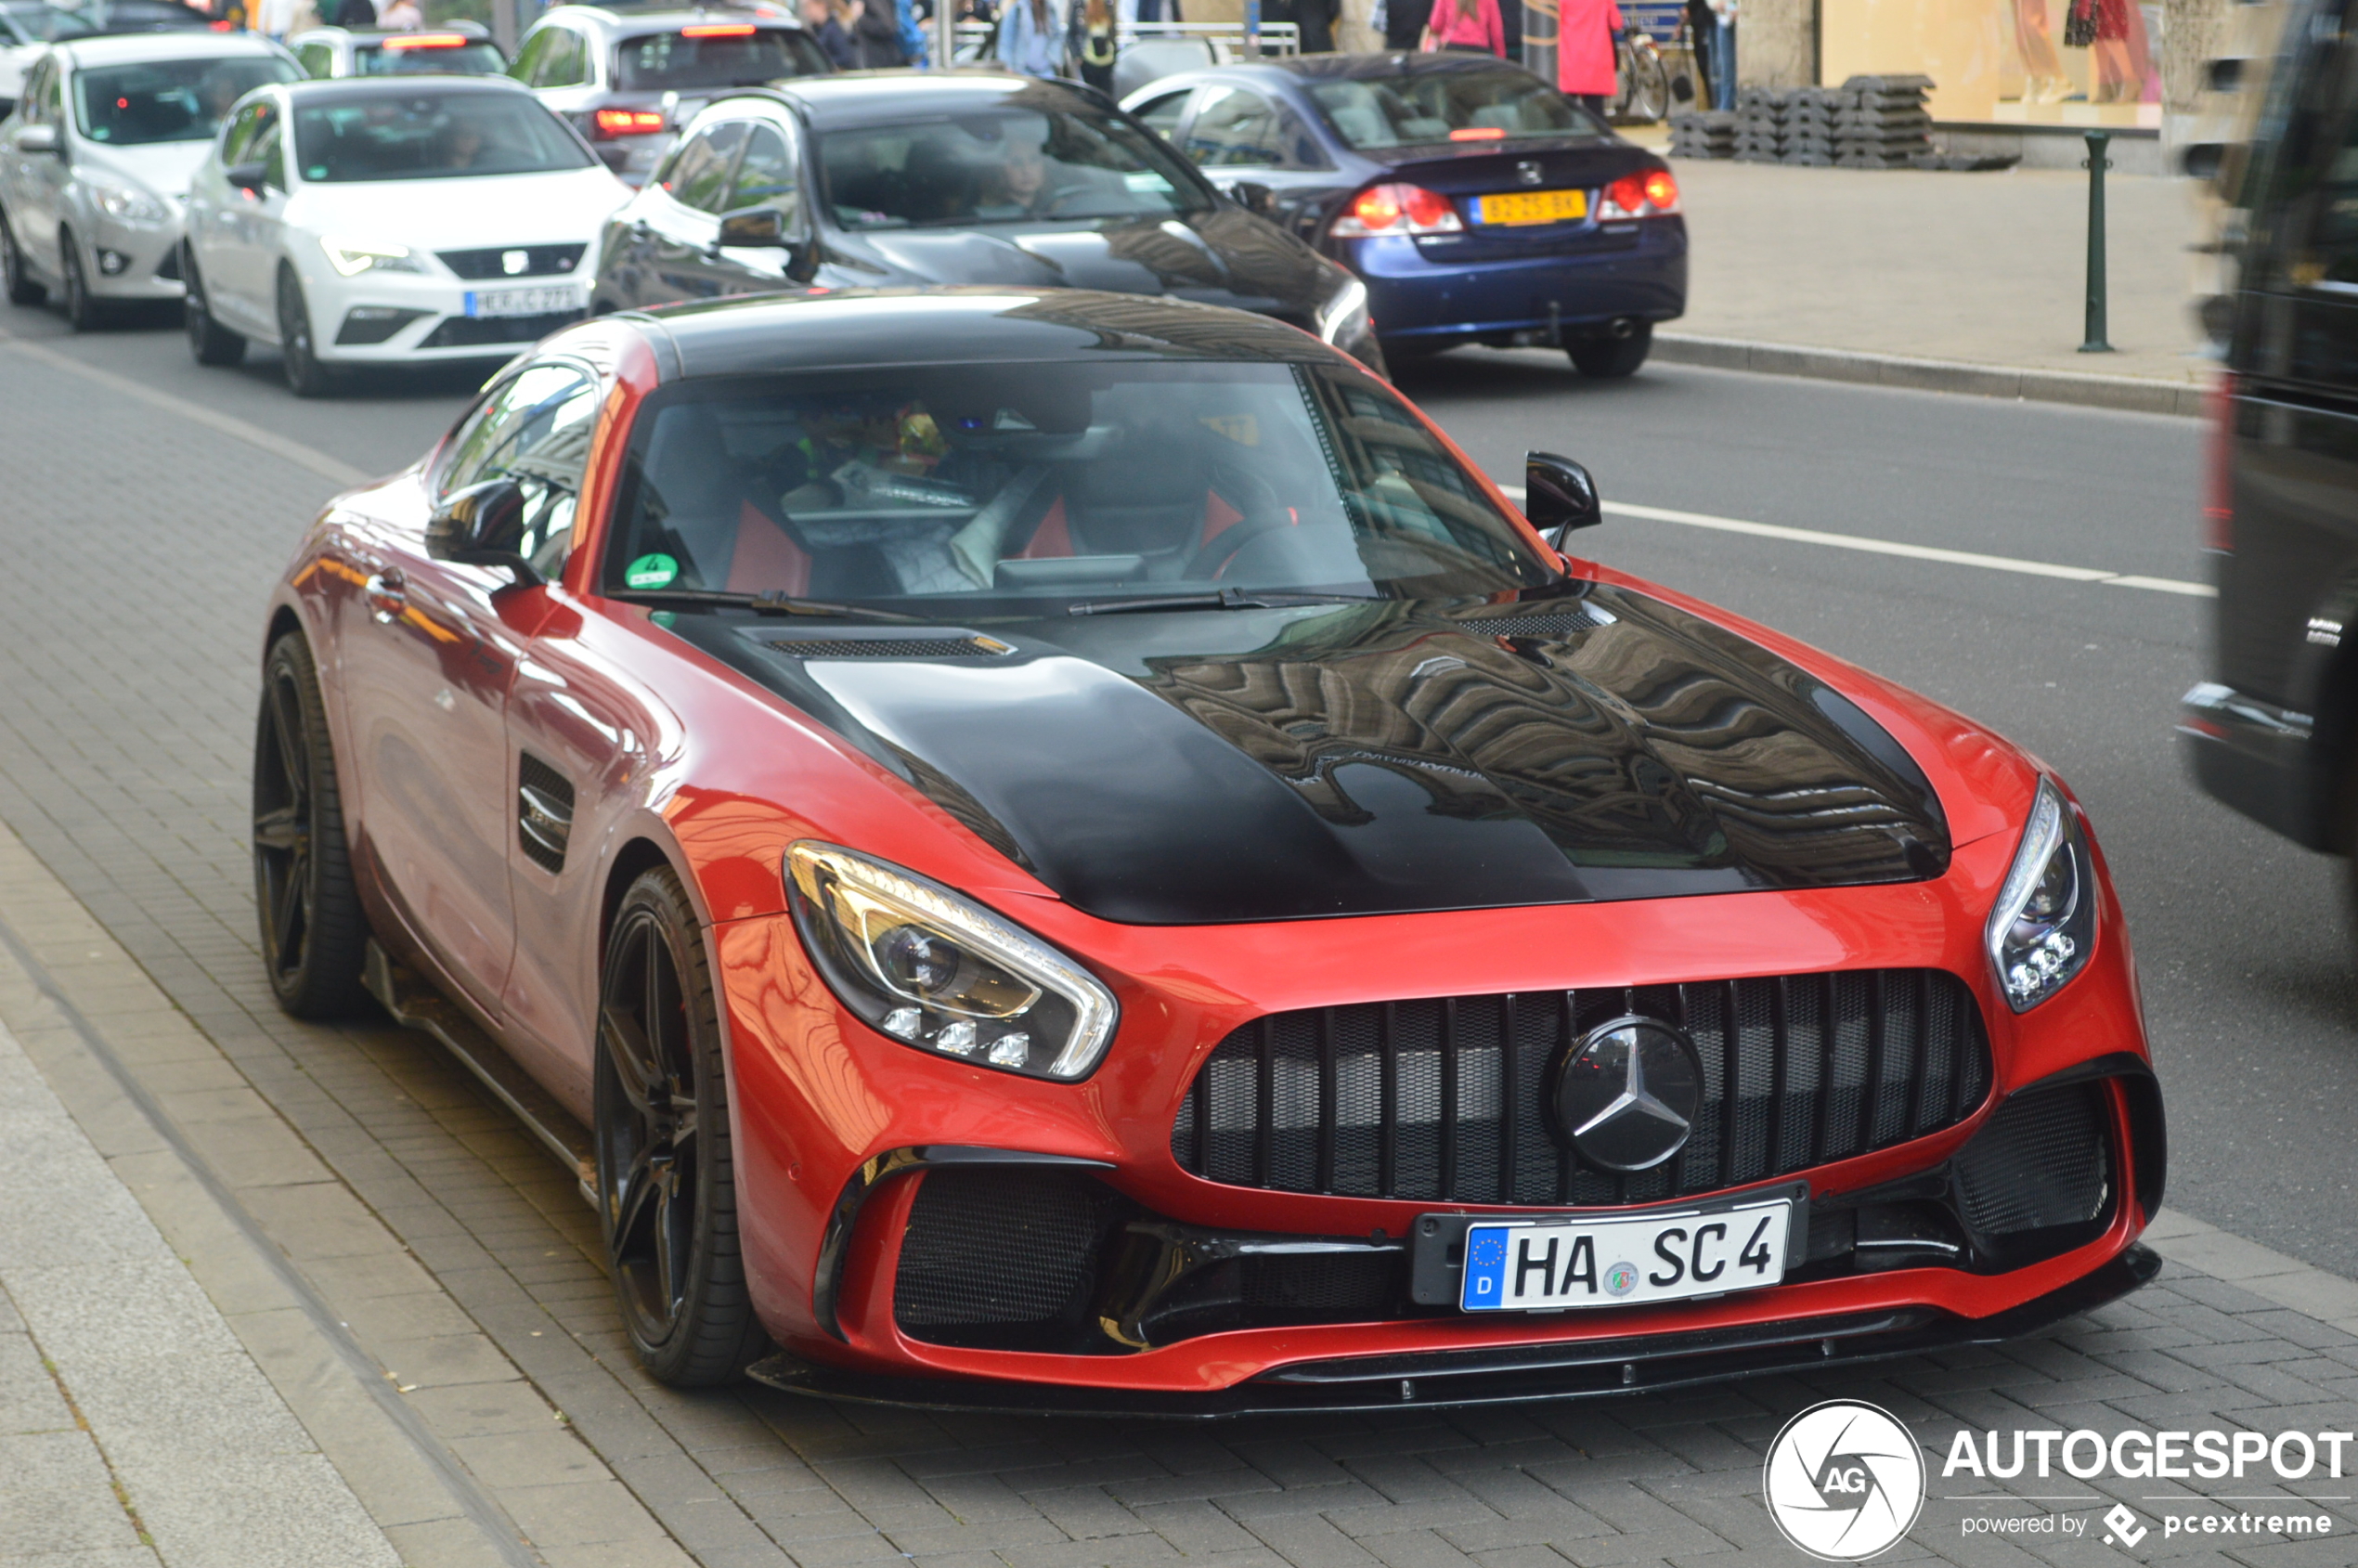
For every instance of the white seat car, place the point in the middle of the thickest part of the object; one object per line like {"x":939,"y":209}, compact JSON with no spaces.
{"x":372,"y":222}
{"x":95,"y":162}
{"x":458,"y":49}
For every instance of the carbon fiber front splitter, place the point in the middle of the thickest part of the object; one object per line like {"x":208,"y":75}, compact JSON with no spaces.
{"x":1583,"y":1369}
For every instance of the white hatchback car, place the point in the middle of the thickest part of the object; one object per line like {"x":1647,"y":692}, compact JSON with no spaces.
{"x":94,"y":163}
{"x":372,"y":222}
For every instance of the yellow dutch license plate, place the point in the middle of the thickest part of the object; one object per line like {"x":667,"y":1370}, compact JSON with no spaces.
{"x":1535,"y":206}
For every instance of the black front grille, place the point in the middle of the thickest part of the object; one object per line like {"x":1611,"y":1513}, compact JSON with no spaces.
{"x":2041,"y":1161}
{"x":471,"y":331}
{"x":1445,"y":1100}
{"x":540,"y":261}
{"x":1007,"y":1259}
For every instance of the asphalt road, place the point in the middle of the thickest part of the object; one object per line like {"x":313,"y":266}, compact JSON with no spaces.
{"x":2245,"y":953}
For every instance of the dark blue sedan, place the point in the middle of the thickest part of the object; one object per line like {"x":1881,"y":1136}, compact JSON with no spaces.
{"x":1477,"y":202}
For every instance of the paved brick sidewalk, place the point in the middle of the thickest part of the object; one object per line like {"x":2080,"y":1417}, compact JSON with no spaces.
{"x":461,"y":1263}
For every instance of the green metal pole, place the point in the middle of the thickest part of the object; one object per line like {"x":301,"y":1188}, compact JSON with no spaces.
{"x":2096,"y":165}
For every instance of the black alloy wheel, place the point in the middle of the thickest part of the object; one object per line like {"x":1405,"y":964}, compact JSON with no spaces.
{"x":82,"y":311}
{"x":306,"y":376}
{"x":21,"y":288}
{"x":314,"y":934}
{"x":208,"y":340}
{"x":1611,"y":358}
{"x":667,"y":1182}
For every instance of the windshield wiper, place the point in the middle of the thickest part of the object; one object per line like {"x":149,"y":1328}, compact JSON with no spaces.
{"x":764,"y":603}
{"x":1226,"y":599}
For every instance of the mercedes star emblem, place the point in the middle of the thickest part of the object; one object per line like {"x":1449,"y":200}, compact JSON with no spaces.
{"x":1627,"y":1094}
{"x":1529,"y":171}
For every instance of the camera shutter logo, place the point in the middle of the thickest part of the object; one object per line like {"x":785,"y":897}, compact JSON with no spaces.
{"x":1844,"y":1480}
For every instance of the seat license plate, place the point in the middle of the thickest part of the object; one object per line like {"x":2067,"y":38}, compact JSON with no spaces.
{"x":544,"y":300}
{"x":1532,"y":206}
{"x":1528,"y":1267}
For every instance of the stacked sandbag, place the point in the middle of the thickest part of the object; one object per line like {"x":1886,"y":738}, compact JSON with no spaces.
{"x":1760,"y":125}
{"x":1709,"y":133}
{"x":1881,"y":122}
{"x":1809,"y":127}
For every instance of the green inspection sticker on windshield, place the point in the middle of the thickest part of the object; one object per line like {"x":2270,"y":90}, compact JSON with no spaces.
{"x":651,"y":571}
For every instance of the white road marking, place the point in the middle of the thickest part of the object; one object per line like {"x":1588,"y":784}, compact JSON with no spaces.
{"x":1894,"y":546}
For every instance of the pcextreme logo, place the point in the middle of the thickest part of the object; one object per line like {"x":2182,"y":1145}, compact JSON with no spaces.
{"x":1844,"y":1480}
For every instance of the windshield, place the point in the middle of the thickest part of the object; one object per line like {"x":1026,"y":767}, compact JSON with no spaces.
{"x":167,"y":100}
{"x":432,"y":136}
{"x":716,"y":55}
{"x":42,"y":24}
{"x":1442,"y":105}
{"x":1001,"y":166}
{"x":453,"y":59}
{"x":1069,"y":482}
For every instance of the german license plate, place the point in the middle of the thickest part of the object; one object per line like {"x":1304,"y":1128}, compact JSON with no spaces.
{"x":1532,"y":206}
{"x":1547,"y":1267}
{"x":545,"y":300}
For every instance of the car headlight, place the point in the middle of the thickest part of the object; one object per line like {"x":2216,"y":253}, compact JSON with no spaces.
{"x":926,"y":967}
{"x":126,"y":203}
{"x":1344,"y":318}
{"x":352,"y":257}
{"x":2044,"y":924}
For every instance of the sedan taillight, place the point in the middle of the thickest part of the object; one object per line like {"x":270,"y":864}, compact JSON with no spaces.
{"x":2219,"y":481}
{"x":608,"y":124}
{"x":1396,"y":208}
{"x":1649,"y":192}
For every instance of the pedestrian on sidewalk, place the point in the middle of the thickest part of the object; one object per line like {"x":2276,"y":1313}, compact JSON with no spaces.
{"x":1723,"y":54}
{"x":1030,"y":41}
{"x":1467,"y":26}
{"x":820,"y":20}
{"x":1586,"y":68}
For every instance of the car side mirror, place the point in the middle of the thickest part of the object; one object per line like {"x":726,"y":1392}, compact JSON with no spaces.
{"x":752,"y":225}
{"x":37,"y":140}
{"x":1559,"y":496}
{"x":483,"y":526}
{"x":1254,"y":198}
{"x":247,"y":177}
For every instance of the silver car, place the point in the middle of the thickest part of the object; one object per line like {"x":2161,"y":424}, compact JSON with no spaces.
{"x":95,"y":162}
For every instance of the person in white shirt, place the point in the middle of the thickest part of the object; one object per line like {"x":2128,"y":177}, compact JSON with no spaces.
{"x":401,"y":15}
{"x":275,"y":17}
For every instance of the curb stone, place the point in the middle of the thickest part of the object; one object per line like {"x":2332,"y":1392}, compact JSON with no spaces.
{"x":2141,"y":394}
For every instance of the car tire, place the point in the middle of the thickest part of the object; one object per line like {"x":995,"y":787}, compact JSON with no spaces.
{"x":315,"y":934}
{"x":667,"y":1179}
{"x":211,"y":342}
{"x":306,"y":376}
{"x":82,"y":310}
{"x":1611,"y":358}
{"x":21,"y":288}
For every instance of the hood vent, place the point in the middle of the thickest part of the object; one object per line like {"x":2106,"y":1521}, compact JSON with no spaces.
{"x":961,"y":645}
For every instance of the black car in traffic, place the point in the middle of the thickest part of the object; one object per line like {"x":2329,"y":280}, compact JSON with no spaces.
{"x":2273,"y":731}
{"x":885,"y":180}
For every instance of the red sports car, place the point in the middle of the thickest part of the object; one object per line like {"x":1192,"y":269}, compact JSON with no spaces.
{"x":1060,"y":850}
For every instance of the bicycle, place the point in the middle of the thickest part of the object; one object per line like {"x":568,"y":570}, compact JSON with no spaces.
{"x":1643,"y":92}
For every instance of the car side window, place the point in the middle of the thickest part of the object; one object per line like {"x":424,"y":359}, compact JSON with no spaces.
{"x":318,"y":60}
{"x":568,"y":63}
{"x":245,"y":130}
{"x":269,"y":150}
{"x":535,"y":430}
{"x":1164,"y":113}
{"x":2319,"y":185}
{"x":33,"y":90}
{"x":1234,"y":129}
{"x":699,"y":176}
{"x":767,"y":176}
{"x":528,"y":55}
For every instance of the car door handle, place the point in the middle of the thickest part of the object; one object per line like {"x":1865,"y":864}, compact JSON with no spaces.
{"x":388,"y":595}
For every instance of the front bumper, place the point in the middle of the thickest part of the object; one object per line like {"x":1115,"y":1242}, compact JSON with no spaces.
{"x":2259,"y":758}
{"x":1434,"y":289}
{"x":842,"y":1134}
{"x":123,"y":262}
{"x":414,"y":318}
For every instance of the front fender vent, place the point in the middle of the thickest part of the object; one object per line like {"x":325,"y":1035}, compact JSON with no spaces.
{"x":544,"y":812}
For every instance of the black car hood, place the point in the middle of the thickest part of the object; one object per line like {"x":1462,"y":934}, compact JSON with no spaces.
{"x":1226,"y":256}
{"x":1386,"y":758}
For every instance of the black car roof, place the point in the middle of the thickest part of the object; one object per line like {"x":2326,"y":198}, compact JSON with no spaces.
{"x":753,"y":333}
{"x":856,"y":98}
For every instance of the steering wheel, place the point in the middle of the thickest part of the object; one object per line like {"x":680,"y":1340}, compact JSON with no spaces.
{"x":1259,"y":510}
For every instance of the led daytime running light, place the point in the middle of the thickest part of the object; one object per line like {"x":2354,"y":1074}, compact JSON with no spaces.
{"x":2044,"y":925}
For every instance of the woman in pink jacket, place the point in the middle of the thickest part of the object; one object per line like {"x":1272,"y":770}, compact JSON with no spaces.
{"x":1473,"y":26}
{"x":1585,"y":32}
